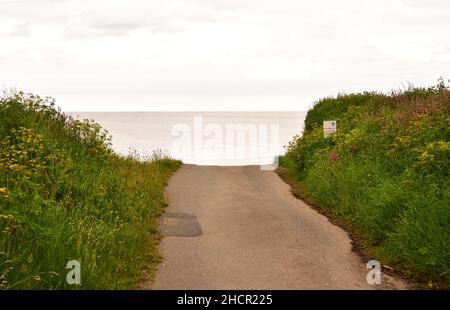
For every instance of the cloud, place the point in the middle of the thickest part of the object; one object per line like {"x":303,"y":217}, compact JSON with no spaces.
{"x":118,"y":18}
{"x":282,"y":52}
{"x":35,"y":11}
{"x":15,"y":30}
{"x":20,"y":30}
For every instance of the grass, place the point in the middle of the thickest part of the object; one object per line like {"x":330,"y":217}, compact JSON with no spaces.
{"x":65,"y":195}
{"x":384,"y":174}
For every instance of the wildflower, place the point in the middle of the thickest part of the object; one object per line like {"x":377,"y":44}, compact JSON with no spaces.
{"x":400,"y":117}
{"x":4,"y":191}
{"x":333,"y":156}
{"x":27,"y":174}
{"x":425,"y":156}
{"x":15,"y":167}
{"x":351,"y":148}
{"x":7,"y":230}
{"x":7,"y":218}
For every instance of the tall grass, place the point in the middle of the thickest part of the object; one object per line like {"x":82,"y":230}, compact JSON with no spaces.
{"x":385,"y":172}
{"x":65,"y":195}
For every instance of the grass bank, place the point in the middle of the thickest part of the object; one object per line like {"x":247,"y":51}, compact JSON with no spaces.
{"x":64,"y":195}
{"x":384,"y":174}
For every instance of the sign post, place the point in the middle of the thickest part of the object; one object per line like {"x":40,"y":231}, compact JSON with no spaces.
{"x":328,"y":128}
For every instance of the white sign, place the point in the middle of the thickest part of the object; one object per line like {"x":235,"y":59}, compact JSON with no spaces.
{"x":328,"y":128}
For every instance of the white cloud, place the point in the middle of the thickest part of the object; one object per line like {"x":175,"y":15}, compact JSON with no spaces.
{"x":218,"y":54}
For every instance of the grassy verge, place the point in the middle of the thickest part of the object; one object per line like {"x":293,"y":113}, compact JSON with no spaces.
{"x":384,"y":175}
{"x":65,"y":195}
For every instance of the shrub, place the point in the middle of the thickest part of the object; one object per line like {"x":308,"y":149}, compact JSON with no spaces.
{"x":65,"y":195}
{"x":385,"y":171}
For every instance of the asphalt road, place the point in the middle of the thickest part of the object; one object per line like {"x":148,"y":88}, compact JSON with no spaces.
{"x":241,"y":228}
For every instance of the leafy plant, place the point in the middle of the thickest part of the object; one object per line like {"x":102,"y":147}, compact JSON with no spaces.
{"x":385,"y":171}
{"x":65,"y":195}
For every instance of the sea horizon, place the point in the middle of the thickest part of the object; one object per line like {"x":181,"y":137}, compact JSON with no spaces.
{"x":143,"y":133}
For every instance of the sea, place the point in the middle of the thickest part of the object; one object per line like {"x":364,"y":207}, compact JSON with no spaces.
{"x":203,"y":138}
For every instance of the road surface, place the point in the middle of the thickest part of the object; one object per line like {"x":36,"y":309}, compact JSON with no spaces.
{"x":241,"y":228}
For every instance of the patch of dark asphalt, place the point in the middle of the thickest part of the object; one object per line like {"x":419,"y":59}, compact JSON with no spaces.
{"x":180,"y":224}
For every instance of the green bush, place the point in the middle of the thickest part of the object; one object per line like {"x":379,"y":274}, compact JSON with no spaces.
{"x":65,"y":195}
{"x":385,"y":171}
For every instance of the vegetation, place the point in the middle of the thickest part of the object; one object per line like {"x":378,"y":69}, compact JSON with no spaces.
{"x":65,"y":195}
{"x":384,"y":174}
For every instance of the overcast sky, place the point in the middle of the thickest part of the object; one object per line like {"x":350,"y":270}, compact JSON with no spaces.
{"x":108,"y":55}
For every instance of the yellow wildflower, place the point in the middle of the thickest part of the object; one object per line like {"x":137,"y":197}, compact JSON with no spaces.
{"x":15,"y":167}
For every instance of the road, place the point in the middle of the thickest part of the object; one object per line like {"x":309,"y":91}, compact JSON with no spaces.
{"x":241,"y":228}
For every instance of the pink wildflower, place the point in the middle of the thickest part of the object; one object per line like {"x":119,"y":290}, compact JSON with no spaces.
{"x":333,"y":156}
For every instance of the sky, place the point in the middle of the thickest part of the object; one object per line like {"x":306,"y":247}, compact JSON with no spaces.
{"x":218,"y":55}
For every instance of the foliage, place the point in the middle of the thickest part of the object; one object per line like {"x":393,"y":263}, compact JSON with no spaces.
{"x":385,"y":171}
{"x":65,"y":195}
